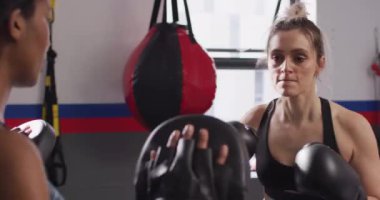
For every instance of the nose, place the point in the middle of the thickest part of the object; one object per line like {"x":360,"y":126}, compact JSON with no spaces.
{"x":286,"y":66}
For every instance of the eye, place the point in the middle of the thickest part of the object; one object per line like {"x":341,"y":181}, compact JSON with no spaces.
{"x":277,"y":58}
{"x":299,"y":58}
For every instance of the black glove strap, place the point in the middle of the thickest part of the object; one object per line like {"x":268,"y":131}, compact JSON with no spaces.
{"x":205,"y":173}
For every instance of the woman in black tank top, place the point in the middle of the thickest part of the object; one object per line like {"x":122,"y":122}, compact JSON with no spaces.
{"x":296,"y":57}
{"x":283,"y":186}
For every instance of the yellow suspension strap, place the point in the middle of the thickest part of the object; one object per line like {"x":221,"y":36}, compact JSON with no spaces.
{"x":55,"y":165}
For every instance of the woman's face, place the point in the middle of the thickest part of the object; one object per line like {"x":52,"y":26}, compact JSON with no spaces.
{"x":32,"y":46}
{"x":293,"y":63}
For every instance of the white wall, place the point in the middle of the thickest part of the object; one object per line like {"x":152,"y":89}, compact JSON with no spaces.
{"x":93,"y":39}
{"x":349,"y":27}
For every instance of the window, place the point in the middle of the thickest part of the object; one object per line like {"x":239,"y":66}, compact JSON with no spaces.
{"x":240,"y":26}
{"x":238,"y":90}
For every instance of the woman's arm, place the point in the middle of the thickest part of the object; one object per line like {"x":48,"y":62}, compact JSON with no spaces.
{"x":22,"y":174}
{"x":253,"y":117}
{"x":365,"y":158}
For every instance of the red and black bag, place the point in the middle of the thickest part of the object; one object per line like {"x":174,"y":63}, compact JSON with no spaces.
{"x":169,"y":73}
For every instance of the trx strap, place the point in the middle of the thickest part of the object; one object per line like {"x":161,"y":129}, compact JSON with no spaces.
{"x":55,"y":165}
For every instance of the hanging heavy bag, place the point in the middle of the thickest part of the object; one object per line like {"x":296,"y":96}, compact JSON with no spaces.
{"x":169,"y":73}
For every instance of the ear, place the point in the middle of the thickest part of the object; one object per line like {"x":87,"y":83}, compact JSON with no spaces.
{"x":321,"y":65}
{"x":16,"y":24}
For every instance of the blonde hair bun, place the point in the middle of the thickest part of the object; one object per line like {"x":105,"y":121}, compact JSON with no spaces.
{"x":296,"y":11}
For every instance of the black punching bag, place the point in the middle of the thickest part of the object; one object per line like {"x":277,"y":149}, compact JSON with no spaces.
{"x":169,"y":73}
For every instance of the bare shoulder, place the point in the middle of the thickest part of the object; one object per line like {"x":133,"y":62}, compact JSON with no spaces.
{"x":21,"y":170}
{"x":350,"y":120}
{"x":365,"y":156}
{"x":253,"y":117}
{"x":15,"y":145}
{"x":354,"y":124}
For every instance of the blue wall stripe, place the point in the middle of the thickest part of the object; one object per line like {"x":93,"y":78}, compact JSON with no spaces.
{"x":121,"y":110}
{"x":361,"y":106}
{"x":94,"y":110}
{"x":23,"y":111}
{"x":70,"y":111}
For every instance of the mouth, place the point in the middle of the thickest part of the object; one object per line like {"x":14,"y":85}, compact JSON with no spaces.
{"x":286,"y":80}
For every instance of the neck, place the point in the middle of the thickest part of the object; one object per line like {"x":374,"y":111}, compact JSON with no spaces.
{"x":5,"y":87}
{"x":300,"y":108}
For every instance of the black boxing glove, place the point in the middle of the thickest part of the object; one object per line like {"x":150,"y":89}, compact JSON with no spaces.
{"x":321,"y":171}
{"x":41,"y":133}
{"x":248,"y":135}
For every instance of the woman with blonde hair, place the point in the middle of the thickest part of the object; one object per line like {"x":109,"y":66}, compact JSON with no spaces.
{"x":340,"y":160}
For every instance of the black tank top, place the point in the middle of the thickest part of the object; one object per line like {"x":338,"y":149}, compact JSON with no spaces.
{"x":278,"y":179}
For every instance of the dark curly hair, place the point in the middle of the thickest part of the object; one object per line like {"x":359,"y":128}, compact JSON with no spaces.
{"x":27,"y":8}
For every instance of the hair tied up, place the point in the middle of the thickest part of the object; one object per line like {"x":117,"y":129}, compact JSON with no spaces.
{"x":296,"y":11}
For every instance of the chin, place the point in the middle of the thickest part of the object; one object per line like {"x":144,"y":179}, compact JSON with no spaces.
{"x":287,"y":92}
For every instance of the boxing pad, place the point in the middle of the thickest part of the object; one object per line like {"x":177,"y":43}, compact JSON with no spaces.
{"x":168,"y":74}
{"x":248,"y":135}
{"x":320,"y":171}
{"x":188,"y":173}
{"x":41,"y":133}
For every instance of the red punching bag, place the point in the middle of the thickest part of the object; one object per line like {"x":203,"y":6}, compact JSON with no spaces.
{"x":169,"y":73}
